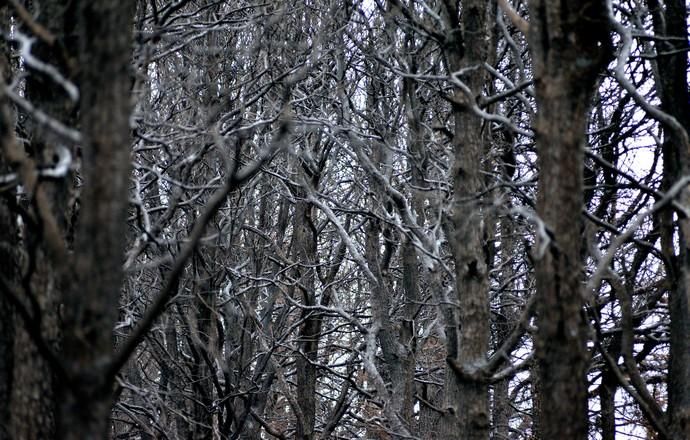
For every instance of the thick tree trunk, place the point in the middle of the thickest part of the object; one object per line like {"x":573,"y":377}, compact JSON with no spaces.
{"x":467,"y":398}
{"x":569,"y":44}
{"x":33,"y":394}
{"x":91,"y":303}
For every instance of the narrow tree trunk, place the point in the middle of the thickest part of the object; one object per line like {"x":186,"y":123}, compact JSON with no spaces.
{"x":395,"y":334}
{"x":501,"y":409}
{"x":201,"y":342}
{"x":607,"y":395}
{"x":8,"y":242}
{"x":670,"y":22}
{"x":535,"y":390}
{"x":414,"y":110}
{"x":304,"y":245}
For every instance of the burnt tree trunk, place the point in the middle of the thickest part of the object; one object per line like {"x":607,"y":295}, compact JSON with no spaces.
{"x":304,"y":247}
{"x":669,"y":20}
{"x":33,"y":392}
{"x":91,"y":301}
{"x":467,"y":398}
{"x":569,"y":46}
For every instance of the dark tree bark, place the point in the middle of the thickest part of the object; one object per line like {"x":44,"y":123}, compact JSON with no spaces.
{"x":395,"y":333}
{"x":91,"y":301}
{"x":8,"y":242}
{"x":411,"y":268}
{"x":670,"y":25}
{"x":373,"y":281}
{"x":201,"y":341}
{"x":468,"y":337}
{"x":304,"y":247}
{"x":607,"y":394}
{"x":569,"y":43}
{"x":501,"y":408}
{"x":33,"y":397}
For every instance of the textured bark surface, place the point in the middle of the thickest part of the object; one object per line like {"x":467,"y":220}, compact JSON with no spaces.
{"x":33,"y":394}
{"x":501,"y":407}
{"x":91,"y":303}
{"x":467,"y":399}
{"x":669,"y":19}
{"x":396,"y":353}
{"x":569,"y":43}
{"x":304,"y":246}
{"x":202,"y":342}
{"x":375,"y":277}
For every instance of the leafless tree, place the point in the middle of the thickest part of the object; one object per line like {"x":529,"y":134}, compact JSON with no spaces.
{"x":389,"y":219}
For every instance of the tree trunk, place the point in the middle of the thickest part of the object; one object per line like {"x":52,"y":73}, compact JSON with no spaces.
{"x":467,"y":398}
{"x":569,"y":44}
{"x":607,"y":400}
{"x":669,"y":21}
{"x":201,"y":343}
{"x":501,"y":408}
{"x":91,"y":302}
{"x":304,"y":247}
{"x":8,"y":243}
{"x":33,"y":396}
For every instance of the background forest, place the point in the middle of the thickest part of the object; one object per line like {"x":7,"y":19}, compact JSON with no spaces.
{"x":323,"y":219}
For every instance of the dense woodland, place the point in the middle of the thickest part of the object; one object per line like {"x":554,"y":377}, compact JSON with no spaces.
{"x":344,"y":219}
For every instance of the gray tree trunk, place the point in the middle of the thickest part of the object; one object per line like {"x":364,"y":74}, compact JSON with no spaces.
{"x":569,"y":46}
{"x":467,"y":398}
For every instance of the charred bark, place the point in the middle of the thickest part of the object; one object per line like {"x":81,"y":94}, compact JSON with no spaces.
{"x":91,"y":300}
{"x":669,"y":20}
{"x":467,"y":399}
{"x":569,"y":43}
